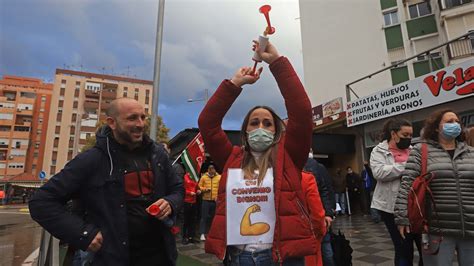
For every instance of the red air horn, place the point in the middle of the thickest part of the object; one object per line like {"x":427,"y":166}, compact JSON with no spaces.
{"x":263,"y":39}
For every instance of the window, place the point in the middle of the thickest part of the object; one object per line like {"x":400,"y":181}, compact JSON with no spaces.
{"x":75,"y":104}
{"x":62,"y":91}
{"x":37,"y":145}
{"x":61,"y":103}
{"x":63,"y":81}
{"x":78,"y":83}
{"x":453,"y":3}
{"x":125,"y":94}
{"x":57,"y":130}
{"x":391,"y":18}
{"x":76,"y":92}
{"x":17,"y":144}
{"x":35,"y":154}
{"x":74,"y":117}
{"x":43,"y":98}
{"x":419,"y":10}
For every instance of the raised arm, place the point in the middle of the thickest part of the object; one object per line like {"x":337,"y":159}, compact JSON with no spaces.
{"x":300,"y":126}
{"x":210,"y":119}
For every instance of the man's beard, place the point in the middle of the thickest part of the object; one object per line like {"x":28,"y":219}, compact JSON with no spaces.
{"x":127,"y":138}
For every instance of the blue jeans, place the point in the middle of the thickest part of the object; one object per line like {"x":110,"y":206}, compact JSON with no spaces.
{"x":326,"y":251}
{"x":208,"y":209}
{"x":341,"y":199}
{"x":260,"y":258}
{"x":82,"y":258}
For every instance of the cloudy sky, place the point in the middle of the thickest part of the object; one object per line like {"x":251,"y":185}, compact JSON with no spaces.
{"x":205,"y":41}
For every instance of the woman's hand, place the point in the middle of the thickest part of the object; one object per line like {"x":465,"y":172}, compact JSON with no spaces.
{"x":404,"y":229}
{"x":245,"y":76}
{"x":269,"y":55}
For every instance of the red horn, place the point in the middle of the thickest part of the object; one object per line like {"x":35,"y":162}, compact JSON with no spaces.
{"x":265,"y":10}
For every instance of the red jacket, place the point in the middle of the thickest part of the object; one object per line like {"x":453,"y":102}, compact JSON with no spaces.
{"x":190,"y":186}
{"x":317,"y":213}
{"x":293,"y":236}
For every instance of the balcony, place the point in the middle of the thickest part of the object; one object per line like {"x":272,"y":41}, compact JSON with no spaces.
{"x":421,"y":26}
{"x":104,"y":106}
{"x":26,"y":100}
{"x":4,"y":134}
{"x":22,"y":134}
{"x":92,"y":94}
{"x":91,"y":105}
{"x":107,"y":94}
{"x":4,"y":122}
{"x":6,"y":110}
{"x":447,"y":4}
{"x":22,"y":123}
{"x":461,"y":48}
{"x":25,"y":112}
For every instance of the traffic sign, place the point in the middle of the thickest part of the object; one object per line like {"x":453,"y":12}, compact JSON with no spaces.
{"x":42,"y":174}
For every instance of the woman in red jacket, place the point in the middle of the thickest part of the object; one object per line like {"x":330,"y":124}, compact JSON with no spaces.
{"x":261,"y":215}
{"x":317,"y":214}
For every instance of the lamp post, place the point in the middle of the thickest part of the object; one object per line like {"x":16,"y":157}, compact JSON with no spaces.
{"x":205,"y":99}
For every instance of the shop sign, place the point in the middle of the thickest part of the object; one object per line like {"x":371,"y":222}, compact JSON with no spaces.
{"x":444,"y":85}
{"x":327,"y":112}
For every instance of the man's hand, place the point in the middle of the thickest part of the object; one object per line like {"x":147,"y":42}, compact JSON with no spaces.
{"x":245,"y":76}
{"x":328,"y":221}
{"x":96,"y":243}
{"x":165,"y":209}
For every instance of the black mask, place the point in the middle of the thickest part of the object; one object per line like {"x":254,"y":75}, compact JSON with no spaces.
{"x":404,"y":143}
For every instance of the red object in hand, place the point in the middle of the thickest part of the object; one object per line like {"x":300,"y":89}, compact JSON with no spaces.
{"x":175,"y":230}
{"x":265,"y":10}
{"x":153,"y":210}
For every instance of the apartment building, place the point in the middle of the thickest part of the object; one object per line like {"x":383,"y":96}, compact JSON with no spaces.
{"x":414,"y":26}
{"x":24,"y":112}
{"x":79,"y":102}
{"x":344,"y":41}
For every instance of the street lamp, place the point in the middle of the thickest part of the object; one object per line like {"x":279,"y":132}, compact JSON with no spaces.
{"x":205,"y":99}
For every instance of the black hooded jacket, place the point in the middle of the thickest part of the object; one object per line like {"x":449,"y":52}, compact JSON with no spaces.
{"x":96,"y":176}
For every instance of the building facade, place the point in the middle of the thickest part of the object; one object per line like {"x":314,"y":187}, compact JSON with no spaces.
{"x":414,"y":26}
{"x":24,"y":111}
{"x":79,"y":102}
{"x":344,"y":41}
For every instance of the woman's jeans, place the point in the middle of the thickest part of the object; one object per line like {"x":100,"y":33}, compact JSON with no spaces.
{"x":403,"y":247}
{"x":445,"y":256}
{"x":260,"y":258}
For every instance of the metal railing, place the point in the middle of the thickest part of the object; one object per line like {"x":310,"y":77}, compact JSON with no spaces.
{"x":468,"y":36}
{"x":461,"y":48}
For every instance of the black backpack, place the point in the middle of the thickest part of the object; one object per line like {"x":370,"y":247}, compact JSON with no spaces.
{"x":341,"y":248}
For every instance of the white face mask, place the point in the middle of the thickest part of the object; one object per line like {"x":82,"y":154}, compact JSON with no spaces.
{"x":310,"y":155}
{"x":260,"y":139}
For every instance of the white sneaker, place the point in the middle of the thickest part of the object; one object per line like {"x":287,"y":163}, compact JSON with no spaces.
{"x":203,"y":238}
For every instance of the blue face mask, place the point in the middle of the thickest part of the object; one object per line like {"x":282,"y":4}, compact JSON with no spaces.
{"x":451,"y":130}
{"x":260,"y":139}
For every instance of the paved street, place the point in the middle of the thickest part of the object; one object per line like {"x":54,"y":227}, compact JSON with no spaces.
{"x":19,"y":235}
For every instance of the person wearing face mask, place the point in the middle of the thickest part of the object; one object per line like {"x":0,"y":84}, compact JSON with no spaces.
{"x":262,"y":216}
{"x":451,"y":161}
{"x":354,"y":187}
{"x":388,"y":161}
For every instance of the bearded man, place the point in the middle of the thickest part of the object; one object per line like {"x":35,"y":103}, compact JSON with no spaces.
{"x":115,"y":182}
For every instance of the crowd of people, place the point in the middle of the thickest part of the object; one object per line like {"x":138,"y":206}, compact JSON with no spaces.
{"x":273,"y":203}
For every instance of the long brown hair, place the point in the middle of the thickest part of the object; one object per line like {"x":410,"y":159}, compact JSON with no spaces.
{"x":430,"y":129}
{"x":249,"y":162}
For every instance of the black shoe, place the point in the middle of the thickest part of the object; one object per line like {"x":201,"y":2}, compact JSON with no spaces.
{"x":185,"y":241}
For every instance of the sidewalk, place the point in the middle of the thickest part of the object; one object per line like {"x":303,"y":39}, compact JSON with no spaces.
{"x":196,"y":252}
{"x":19,"y":207}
